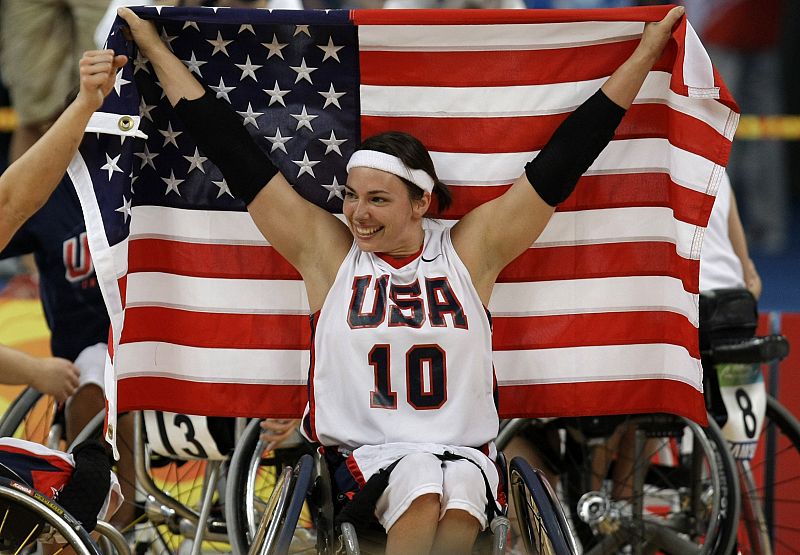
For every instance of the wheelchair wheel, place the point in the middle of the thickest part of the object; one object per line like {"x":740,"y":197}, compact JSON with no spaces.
{"x":771,"y":487}
{"x":300,"y":489}
{"x":28,"y":516}
{"x":34,"y":416}
{"x":656,"y":483}
{"x":542,"y":523}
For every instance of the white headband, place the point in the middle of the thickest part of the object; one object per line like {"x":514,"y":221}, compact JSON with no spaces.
{"x":392,"y":164}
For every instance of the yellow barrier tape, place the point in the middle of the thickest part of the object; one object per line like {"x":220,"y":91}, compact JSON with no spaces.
{"x":751,"y":127}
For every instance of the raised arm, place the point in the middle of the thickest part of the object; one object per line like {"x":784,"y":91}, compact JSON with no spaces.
{"x":311,"y":239}
{"x":27,"y":183}
{"x":493,"y":234}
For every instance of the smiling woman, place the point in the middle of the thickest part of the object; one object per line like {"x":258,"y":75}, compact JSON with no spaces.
{"x":401,"y":379}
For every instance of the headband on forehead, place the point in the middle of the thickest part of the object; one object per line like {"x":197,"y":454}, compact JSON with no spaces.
{"x":392,"y":164}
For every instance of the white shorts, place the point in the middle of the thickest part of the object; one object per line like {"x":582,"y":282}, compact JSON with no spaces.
{"x":459,"y":484}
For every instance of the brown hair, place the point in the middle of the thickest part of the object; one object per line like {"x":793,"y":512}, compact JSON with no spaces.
{"x":414,"y":155}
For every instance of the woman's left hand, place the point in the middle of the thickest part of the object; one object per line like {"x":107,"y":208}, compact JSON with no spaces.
{"x":657,"y":33}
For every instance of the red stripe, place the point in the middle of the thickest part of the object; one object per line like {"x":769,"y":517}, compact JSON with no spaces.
{"x":646,"y":258}
{"x":208,"y":260}
{"x":499,"y":17}
{"x":530,"y":133}
{"x":595,"y":192}
{"x":211,"y":399}
{"x":499,"y":68}
{"x":122,"y":284}
{"x":215,"y":330}
{"x":602,"y":398}
{"x":583,"y":330}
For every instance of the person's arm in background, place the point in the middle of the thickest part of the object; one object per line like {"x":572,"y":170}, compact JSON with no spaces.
{"x":53,"y":376}
{"x":27,"y":183}
{"x":752,"y":281}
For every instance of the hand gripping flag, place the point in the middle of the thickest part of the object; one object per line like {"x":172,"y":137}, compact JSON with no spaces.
{"x":599,"y":316}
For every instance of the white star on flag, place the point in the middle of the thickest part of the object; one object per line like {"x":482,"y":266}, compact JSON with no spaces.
{"x":276,"y":95}
{"x":167,"y":38}
{"x":274,"y":47}
{"x":111,"y":165}
{"x":246,"y":27}
{"x":140,"y":62}
{"x":303,"y":119}
{"x":332,"y":97}
{"x":172,"y":183}
{"x":219,"y":44}
{"x":170,"y":135}
{"x":125,"y":209}
{"x":332,"y":144}
{"x":223,"y":187}
{"x":194,"y":64}
{"x":301,"y":29}
{"x":248,"y":69}
{"x":334,"y":189}
{"x":330,"y":50}
{"x":188,"y":24}
{"x":147,"y":157}
{"x":303,"y":71}
{"x":250,"y":116}
{"x":119,"y":82}
{"x":221,"y":90}
{"x":145,"y":109}
{"x":196,"y":161}
{"x":278,"y":141}
{"x":306,"y":165}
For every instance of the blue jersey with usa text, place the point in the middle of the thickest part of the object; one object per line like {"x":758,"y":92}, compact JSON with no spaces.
{"x":73,"y":305}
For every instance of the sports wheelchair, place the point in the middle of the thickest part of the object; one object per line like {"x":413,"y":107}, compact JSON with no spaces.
{"x":268,"y":524}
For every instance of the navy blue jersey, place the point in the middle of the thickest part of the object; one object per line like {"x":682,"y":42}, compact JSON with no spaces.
{"x":73,"y":305}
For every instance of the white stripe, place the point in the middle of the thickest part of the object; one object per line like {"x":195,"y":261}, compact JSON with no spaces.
{"x":620,"y":225}
{"x":522,"y":36}
{"x":594,"y":295}
{"x":259,"y":366}
{"x":625,"y":156}
{"x":159,"y":222}
{"x":526,"y":100}
{"x":234,"y":296}
{"x":598,"y":364}
{"x":698,"y":74}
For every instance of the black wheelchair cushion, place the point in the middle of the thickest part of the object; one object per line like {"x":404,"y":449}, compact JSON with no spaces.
{"x":727,"y":315}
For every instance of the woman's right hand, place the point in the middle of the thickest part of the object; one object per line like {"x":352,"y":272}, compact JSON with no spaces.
{"x":142,"y":31}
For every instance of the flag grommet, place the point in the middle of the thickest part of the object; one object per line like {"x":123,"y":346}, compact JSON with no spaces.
{"x":125,"y":123}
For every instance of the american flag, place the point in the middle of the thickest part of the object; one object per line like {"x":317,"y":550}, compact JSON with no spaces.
{"x":599,"y":316}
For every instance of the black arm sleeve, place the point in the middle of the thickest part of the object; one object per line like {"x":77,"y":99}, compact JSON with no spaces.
{"x":220,"y":135}
{"x":573,"y":147}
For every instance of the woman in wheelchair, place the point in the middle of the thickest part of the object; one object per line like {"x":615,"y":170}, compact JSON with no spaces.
{"x":401,"y":370}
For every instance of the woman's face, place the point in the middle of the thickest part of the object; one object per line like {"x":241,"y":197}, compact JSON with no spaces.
{"x":381,"y":214}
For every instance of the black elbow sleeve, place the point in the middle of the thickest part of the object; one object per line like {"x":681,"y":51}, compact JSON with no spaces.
{"x":575,"y":144}
{"x":220,"y":135}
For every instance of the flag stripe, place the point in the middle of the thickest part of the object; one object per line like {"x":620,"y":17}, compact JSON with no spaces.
{"x":584,"y":330}
{"x":602,"y":398}
{"x":627,"y":190}
{"x":210,"y":399}
{"x":598,"y":364}
{"x":264,"y":366}
{"x":210,"y":330}
{"x":457,"y":68}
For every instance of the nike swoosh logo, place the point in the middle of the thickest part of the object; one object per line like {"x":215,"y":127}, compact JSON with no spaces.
{"x":432,"y":259}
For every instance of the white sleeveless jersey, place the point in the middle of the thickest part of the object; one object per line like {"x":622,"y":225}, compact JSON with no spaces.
{"x":402,"y":354}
